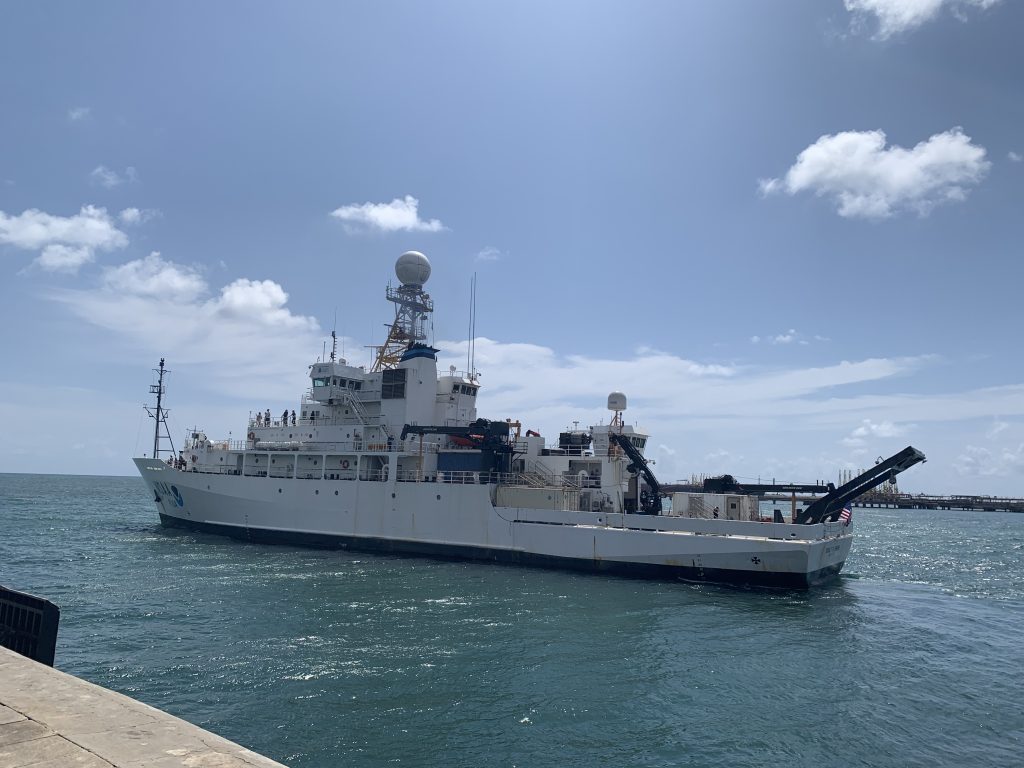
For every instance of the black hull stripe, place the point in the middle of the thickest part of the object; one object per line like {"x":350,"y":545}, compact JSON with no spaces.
{"x":511,"y":557}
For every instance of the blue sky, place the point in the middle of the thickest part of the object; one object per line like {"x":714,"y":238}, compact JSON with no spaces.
{"x":790,"y":232}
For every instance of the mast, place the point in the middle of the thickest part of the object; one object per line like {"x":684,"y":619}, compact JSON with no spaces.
{"x":161,"y":413}
{"x":413,"y":306}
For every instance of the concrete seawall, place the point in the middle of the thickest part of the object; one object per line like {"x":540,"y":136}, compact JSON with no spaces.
{"x":49,"y":718}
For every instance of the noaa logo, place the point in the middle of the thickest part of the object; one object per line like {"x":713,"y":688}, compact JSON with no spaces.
{"x":177,"y":496}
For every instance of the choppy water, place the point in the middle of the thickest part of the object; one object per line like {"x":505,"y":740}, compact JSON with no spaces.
{"x":323,"y":658}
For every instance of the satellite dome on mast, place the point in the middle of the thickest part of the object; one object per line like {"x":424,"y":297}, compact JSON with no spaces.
{"x":413,"y":306}
{"x":412,"y":268}
{"x":616,"y":401}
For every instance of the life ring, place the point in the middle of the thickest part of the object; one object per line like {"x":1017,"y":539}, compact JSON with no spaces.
{"x":252,"y":435}
{"x":344,"y":463}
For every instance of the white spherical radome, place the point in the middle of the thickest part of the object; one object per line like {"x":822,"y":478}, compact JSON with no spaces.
{"x":412,"y":268}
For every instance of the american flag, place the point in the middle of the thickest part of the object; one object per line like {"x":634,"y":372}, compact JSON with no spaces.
{"x":845,"y":516}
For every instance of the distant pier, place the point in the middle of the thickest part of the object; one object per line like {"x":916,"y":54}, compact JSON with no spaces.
{"x":885,"y":499}
{"x":926,"y":501}
{"x":922,"y":501}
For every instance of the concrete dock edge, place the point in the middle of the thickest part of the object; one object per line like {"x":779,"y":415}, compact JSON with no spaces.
{"x":50,"y":718}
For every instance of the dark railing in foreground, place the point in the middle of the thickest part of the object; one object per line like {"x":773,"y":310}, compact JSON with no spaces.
{"x":28,"y":625}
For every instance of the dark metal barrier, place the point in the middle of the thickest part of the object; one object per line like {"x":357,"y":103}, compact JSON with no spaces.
{"x":28,"y":625}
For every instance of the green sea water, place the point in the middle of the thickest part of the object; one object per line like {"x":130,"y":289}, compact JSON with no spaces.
{"x":915,"y":657}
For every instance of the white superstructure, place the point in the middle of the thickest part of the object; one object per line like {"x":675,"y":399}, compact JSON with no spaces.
{"x":394,"y":458}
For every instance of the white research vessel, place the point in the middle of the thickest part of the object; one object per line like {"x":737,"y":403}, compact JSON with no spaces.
{"x":394,"y":459}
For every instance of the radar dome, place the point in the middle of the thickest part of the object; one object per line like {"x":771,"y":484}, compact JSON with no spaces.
{"x":412,"y":268}
{"x":616,"y":401}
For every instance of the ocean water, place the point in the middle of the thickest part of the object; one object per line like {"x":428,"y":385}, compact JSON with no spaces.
{"x":915,"y":657}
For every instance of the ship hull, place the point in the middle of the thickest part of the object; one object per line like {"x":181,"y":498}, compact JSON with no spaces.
{"x":460,"y":522}
{"x":437,"y":550}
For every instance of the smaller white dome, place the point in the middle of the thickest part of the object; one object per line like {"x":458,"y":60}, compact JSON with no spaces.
{"x":616,"y":401}
{"x":412,"y":268}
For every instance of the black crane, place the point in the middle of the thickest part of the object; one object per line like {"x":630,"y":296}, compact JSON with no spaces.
{"x":831,"y":504}
{"x":650,"y":498}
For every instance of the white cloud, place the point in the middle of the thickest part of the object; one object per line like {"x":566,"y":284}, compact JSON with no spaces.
{"x":997,"y":428}
{"x":981,"y":462}
{"x":870,"y":429}
{"x":401,"y":214}
{"x":156,"y":278}
{"x":76,"y":114}
{"x":64,"y":258}
{"x":791,"y":336}
{"x":1015,"y":157}
{"x":244,"y":335}
{"x":132,"y":216}
{"x":896,"y":16}
{"x":488,"y":253}
{"x":105,"y":177}
{"x":868,"y":180}
{"x":66,"y":242}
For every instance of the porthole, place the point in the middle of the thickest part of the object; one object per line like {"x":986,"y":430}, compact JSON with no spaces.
{"x":335,"y":493}
{"x":278,"y":490}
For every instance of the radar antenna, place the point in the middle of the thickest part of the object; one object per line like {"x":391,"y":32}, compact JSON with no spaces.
{"x":161,"y":413}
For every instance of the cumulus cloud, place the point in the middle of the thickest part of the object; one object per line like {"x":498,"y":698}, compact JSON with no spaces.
{"x":102,"y":176}
{"x":155,"y":278}
{"x":896,"y":16}
{"x":870,"y":180}
{"x":65,"y":242}
{"x":870,"y":429}
{"x":75,"y":114}
{"x":1014,"y":157}
{"x":132,"y":216}
{"x":242,"y":333}
{"x":976,"y":461}
{"x":64,"y":258}
{"x":400,"y":215}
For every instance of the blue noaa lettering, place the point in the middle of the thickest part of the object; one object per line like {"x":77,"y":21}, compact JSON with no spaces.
{"x":163,"y":489}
